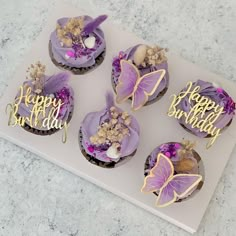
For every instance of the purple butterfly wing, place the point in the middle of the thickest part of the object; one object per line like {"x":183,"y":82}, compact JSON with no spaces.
{"x":184,"y":183}
{"x":178,"y":186}
{"x":166,"y":196}
{"x":139,"y":99}
{"x":126,"y":81}
{"x":146,"y":87}
{"x":159,"y":174}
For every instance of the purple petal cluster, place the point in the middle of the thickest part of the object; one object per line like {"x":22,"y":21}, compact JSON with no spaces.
{"x":64,"y":95}
{"x":226,"y":101}
{"x":116,"y":62}
{"x":170,"y":150}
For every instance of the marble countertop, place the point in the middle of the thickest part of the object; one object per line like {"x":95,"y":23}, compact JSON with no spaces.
{"x":39,"y":198}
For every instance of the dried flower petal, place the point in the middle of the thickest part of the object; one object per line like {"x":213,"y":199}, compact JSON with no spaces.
{"x":186,"y":164}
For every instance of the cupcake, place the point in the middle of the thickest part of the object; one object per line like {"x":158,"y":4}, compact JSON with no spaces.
{"x":140,"y":74}
{"x":173,"y":172}
{"x":110,"y":136}
{"x":205,"y":101}
{"x":45,"y":103}
{"x":78,"y":44}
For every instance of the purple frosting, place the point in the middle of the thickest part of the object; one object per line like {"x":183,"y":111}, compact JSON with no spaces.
{"x":90,"y":126}
{"x":85,"y":57}
{"x":217,"y":95}
{"x":57,"y":87}
{"x":129,"y":55}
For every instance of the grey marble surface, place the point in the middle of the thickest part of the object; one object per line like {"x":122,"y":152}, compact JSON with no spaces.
{"x":39,"y":198}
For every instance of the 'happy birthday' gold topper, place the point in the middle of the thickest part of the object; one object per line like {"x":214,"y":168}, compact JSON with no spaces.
{"x":44,"y":111}
{"x":196,"y":116}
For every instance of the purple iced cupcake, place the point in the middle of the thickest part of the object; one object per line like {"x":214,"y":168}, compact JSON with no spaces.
{"x":186,"y":164}
{"x":78,"y":44}
{"x":110,"y":136}
{"x":40,"y":86}
{"x":219,"y":96}
{"x":145,"y":60}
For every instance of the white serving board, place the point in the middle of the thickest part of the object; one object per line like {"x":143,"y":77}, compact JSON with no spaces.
{"x":156,"y":127}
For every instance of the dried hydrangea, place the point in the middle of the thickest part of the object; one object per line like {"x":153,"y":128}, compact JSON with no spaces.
{"x":185,"y":163}
{"x":154,"y":56}
{"x":114,"y":130}
{"x":36,"y":72}
{"x":72,"y":29}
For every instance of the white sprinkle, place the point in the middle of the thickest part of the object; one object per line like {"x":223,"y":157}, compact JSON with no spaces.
{"x":113,"y":153}
{"x":90,"y":42}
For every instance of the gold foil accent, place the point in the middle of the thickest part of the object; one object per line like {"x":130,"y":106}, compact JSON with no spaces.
{"x":196,"y":117}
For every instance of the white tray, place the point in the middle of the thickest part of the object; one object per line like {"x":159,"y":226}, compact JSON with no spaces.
{"x":156,"y":126}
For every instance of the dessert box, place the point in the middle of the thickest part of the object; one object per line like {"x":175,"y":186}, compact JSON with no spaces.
{"x":156,"y":127}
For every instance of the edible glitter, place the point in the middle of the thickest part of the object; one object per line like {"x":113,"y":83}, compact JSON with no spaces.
{"x":64,"y":95}
{"x":170,"y":150}
{"x":116,"y":62}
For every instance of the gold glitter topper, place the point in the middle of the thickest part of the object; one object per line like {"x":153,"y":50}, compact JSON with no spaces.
{"x":196,"y":116}
{"x":43,"y":110}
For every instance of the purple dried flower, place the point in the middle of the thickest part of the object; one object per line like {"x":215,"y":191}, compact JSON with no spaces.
{"x":170,"y":150}
{"x":92,"y":25}
{"x":116,"y":61}
{"x":64,"y":95}
{"x":226,"y":101}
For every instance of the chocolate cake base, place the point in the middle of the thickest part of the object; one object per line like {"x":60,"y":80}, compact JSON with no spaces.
{"x":157,"y":98}
{"x":44,"y":132}
{"x":97,"y":162}
{"x":74,"y":70}
{"x":195,"y":155}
